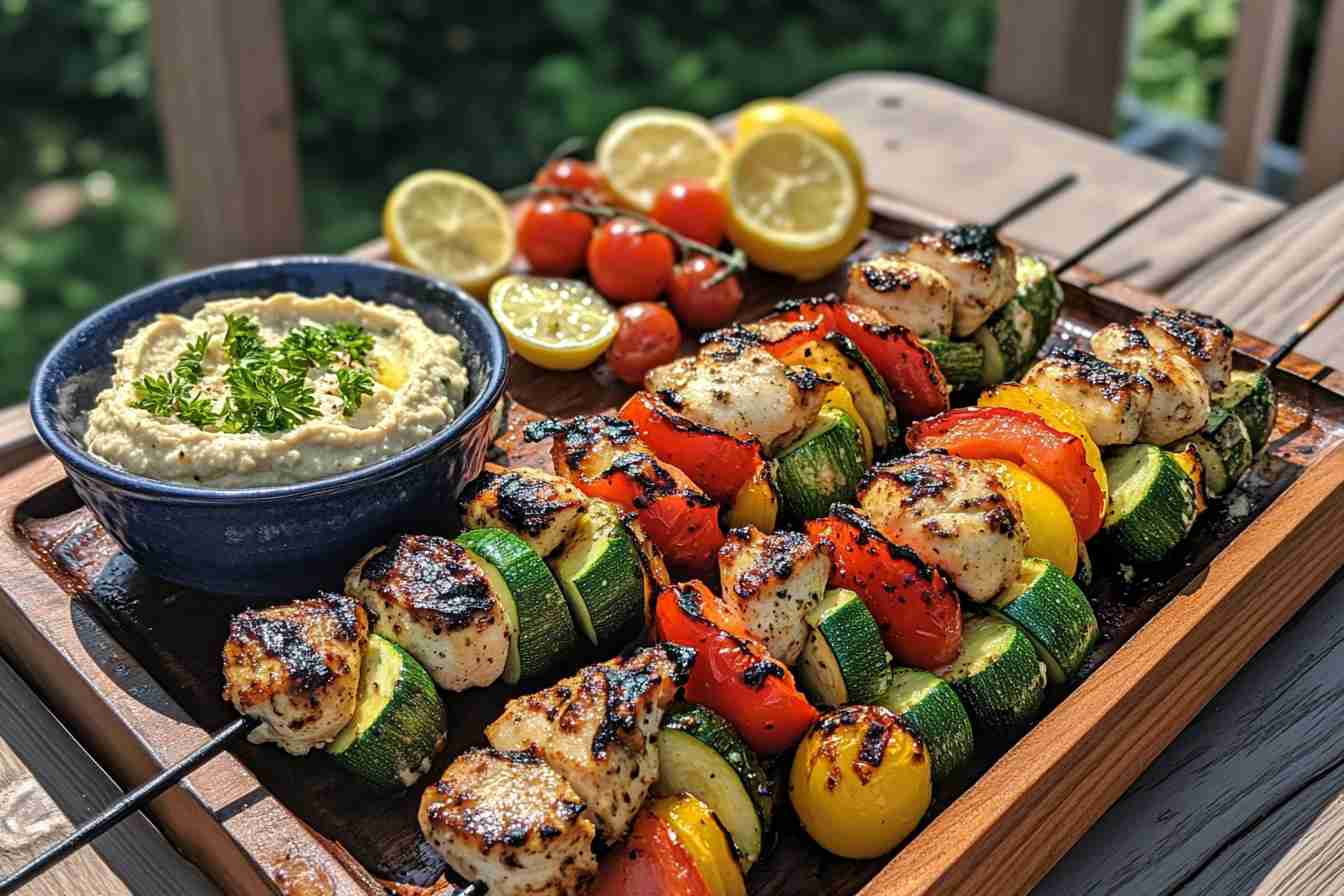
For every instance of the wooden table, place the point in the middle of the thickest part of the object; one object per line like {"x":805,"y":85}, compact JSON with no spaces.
{"x":1250,"y":798}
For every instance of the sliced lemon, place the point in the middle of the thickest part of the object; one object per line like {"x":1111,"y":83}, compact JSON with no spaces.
{"x":643,"y":151}
{"x":556,"y":324}
{"x":451,"y":226}
{"x":774,"y":113}
{"x":793,"y":201}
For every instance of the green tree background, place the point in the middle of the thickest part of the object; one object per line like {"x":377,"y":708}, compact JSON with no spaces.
{"x":387,"y":87}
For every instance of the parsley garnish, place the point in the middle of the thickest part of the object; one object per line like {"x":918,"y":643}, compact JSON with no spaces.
{"x":355,"y":385}
{"x":268,"y":386}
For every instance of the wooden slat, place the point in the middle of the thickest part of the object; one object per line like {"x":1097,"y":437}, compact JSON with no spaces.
{"x":48,"y":784}
{"x":1247,"y":799}
{"x":1254,"y":87}
{"x":1323,"y":138}
{"x":936,"y":153}
{"x":1261,"y":285}
{"x":1064,"y":59}
{"x":222,"y":89}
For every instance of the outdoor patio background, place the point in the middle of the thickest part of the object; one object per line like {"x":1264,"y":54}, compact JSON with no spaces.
{"x":387,"y":87}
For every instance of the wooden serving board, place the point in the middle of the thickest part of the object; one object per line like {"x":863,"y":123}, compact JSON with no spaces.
{"x":133,"y":663}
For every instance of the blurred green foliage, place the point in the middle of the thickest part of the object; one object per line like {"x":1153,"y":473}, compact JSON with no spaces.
{"x":387,"y":87}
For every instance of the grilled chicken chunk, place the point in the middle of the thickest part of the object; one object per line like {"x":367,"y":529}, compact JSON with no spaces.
{"x":538,"y":507}
{"x":904,"y":292}
{"x":776,"y":579}
{"x":1111,"y":402}
{"x":953,"y":513}
{"x":429,"y":595}
{"x":981,"y":270}
{"x":508,"y":820}
{"x":741,"y":389}
{"x":1204,"y":341}
{"x":296,"y":668}
{"x":1180,"y":403}
{"x":599,"y":727}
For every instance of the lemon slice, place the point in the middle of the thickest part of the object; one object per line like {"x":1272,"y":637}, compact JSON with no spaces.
{"x":556,"y":324}
{"x":643,"y":151}
{"x":774,"y":113}
{"x":451,"y":226}
{"x":793,"y":201}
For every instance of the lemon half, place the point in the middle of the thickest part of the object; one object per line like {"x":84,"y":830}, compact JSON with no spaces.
{"x":555,"y":323}
{"x":643,"y":151}
{"x":451,"y":226}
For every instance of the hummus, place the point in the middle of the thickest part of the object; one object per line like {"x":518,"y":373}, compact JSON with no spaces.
{"x":413,"y":385}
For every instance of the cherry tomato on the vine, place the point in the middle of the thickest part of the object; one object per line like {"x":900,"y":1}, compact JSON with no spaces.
{"x":628,"y":262}
{"x":570,"y":174}
{"x":553,"y":236}
{"x":648,"y":336}
{"x":699,"y":305}
{"x":693,"y":209}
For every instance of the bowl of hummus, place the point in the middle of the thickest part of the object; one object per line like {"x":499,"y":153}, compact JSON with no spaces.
{"x":252,"y":428}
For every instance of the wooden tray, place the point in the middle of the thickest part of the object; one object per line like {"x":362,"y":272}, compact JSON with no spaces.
{"x":133,"y":664}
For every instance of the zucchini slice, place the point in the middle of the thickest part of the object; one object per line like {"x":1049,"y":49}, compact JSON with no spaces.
{"x":838,"y":359}
{"x":1008,"y":340}
{"x":1049,"y":607}
{"x":398,"y":726}
{"x":700,"y":753}
{"x":600,"y":572}
{"x":932,"y":708}
{"x":542,"y":629}
{"x":1040,"y":293}
{"x":1152,"y":504}
{"x":1228,"y":435}
{"x":822,"y":467}
{"x":844,"y":660}
{"x":962,"y":363}
{"x":1250,"y":395}
{"x":997,"y":676}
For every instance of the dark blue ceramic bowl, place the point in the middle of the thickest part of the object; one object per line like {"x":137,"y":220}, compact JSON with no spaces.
{"x":281,"y":540}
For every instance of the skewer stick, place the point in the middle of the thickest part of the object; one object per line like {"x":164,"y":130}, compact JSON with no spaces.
{"x":1328,"y":285}
{"x":130,"y":803}
{"x":1115,"y":230}
{"x":1040,"y":197}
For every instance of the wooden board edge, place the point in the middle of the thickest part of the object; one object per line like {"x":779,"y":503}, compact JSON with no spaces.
{"x":222,"y":818}
{"x":1058,"y":779}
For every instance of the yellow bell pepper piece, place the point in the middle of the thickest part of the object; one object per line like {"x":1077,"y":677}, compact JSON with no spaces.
{"x":699,"y":831}
{"x":756,"y":503}
{"x":1051,"y":534}
{"x":1188,"y":460}
{"x":840,"y":399}
{"x":1034,"y":400}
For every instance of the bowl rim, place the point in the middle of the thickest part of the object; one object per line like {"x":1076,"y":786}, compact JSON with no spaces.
{"x":495,"y":351}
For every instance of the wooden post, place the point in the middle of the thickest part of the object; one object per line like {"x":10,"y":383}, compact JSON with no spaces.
{"x":1064,"y":59}
{"x":1254,"y":92}
{"x":1322,"y":137}
{"x":223,"y":96}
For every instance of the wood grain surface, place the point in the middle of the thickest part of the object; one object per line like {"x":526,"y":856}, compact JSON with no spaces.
{"x":49,"y":784}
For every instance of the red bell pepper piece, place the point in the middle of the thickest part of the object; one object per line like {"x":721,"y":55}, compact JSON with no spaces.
{"x":734,"y":675}
{"x":714,"y":460}
{"x":916,"y":610}
{"x":1059,"y":458}
{"x":651,"y":862}
{"x":917,"y":384}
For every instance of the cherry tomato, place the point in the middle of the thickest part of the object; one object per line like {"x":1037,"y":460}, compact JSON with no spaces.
{"x":699,"y":305}
{"x":570,"y":174}
{"x":648,"y":336}
{"x":553,"y":237}
{"x":628,"y":262}
{"x":693,"y":209}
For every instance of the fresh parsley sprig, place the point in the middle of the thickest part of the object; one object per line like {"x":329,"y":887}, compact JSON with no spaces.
{"x":268,"y":386}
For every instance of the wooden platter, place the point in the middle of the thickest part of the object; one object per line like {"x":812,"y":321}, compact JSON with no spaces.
{"x":133,"y":663}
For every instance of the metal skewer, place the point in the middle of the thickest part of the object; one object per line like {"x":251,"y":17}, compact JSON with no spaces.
{"x":1328,"y":284}
{"x":1120,"y":227}
{"x":128,"y":804}
{"x":1040,"y":197}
